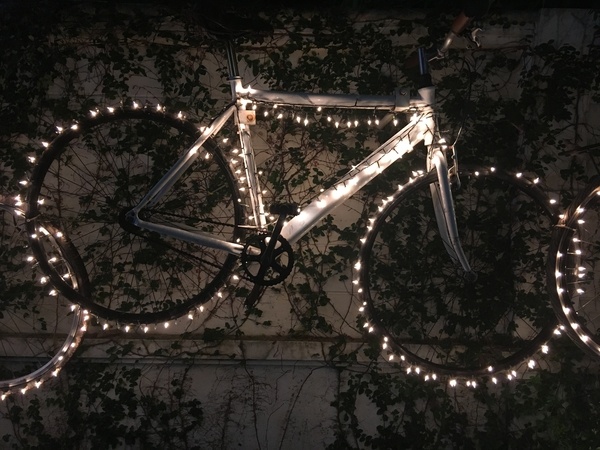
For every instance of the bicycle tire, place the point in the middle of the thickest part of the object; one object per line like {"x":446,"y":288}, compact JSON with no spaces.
{"x":415,"y":299}
{"x":98,"y":169}
{"x":39,"y":329}
{"x":574,"y":270}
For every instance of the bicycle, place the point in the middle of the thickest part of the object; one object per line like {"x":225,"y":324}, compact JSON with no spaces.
{"x":39,"y":330}
{"x":158,"y":239}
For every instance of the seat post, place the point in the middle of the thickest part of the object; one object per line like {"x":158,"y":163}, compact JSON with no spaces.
{"x":232,"y":65}
{"x":232,"y":68}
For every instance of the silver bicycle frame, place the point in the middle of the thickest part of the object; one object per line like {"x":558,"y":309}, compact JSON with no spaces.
{"x":421,"y":128}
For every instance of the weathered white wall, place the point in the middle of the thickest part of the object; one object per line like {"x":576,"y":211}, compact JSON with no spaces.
{"x":272,"y":388}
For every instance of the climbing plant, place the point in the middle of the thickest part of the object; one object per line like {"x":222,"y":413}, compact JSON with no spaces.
{"x":519,"y":105}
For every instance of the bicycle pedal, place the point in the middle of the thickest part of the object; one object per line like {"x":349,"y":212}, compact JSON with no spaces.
{"x":284,"y":209}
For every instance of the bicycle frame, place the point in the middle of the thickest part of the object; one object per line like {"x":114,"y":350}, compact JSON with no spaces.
{"x":421,"y":128}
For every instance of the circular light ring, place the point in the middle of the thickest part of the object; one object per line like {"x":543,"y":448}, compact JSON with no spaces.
{"x":574,"y":269}
{"x":76,"y":325}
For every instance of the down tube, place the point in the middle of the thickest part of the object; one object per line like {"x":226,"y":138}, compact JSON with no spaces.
{"x":400,"y":144}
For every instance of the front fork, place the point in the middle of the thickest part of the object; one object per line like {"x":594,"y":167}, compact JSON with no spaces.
{"x":443,"y":205}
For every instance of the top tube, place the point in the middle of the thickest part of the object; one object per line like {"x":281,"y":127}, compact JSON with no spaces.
{"x":398,"y":102}
{"x":401,"y":101}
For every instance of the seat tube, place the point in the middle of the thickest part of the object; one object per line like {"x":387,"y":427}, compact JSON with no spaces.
{"x":251,"y":184}
{"x":248,"y":176}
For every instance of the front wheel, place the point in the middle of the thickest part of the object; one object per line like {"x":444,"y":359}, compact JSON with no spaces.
{"x":421,"y":303}
{"x":93,"y":173}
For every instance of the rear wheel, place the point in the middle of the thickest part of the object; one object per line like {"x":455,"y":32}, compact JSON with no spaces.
{"x":95,"y":172}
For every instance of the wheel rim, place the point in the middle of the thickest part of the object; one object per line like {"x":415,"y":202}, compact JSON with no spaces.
{"x":93,"y":172}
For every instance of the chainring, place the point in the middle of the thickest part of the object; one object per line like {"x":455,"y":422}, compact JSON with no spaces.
{"x":278,"y":265}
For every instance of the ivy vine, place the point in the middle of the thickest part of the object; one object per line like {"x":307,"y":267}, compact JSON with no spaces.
{"x":522,"y":106}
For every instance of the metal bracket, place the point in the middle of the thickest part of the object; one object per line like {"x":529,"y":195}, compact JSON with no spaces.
{"x":402,"y":101}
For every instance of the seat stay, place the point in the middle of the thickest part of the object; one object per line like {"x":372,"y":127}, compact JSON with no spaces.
{"x":184,"y":162}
